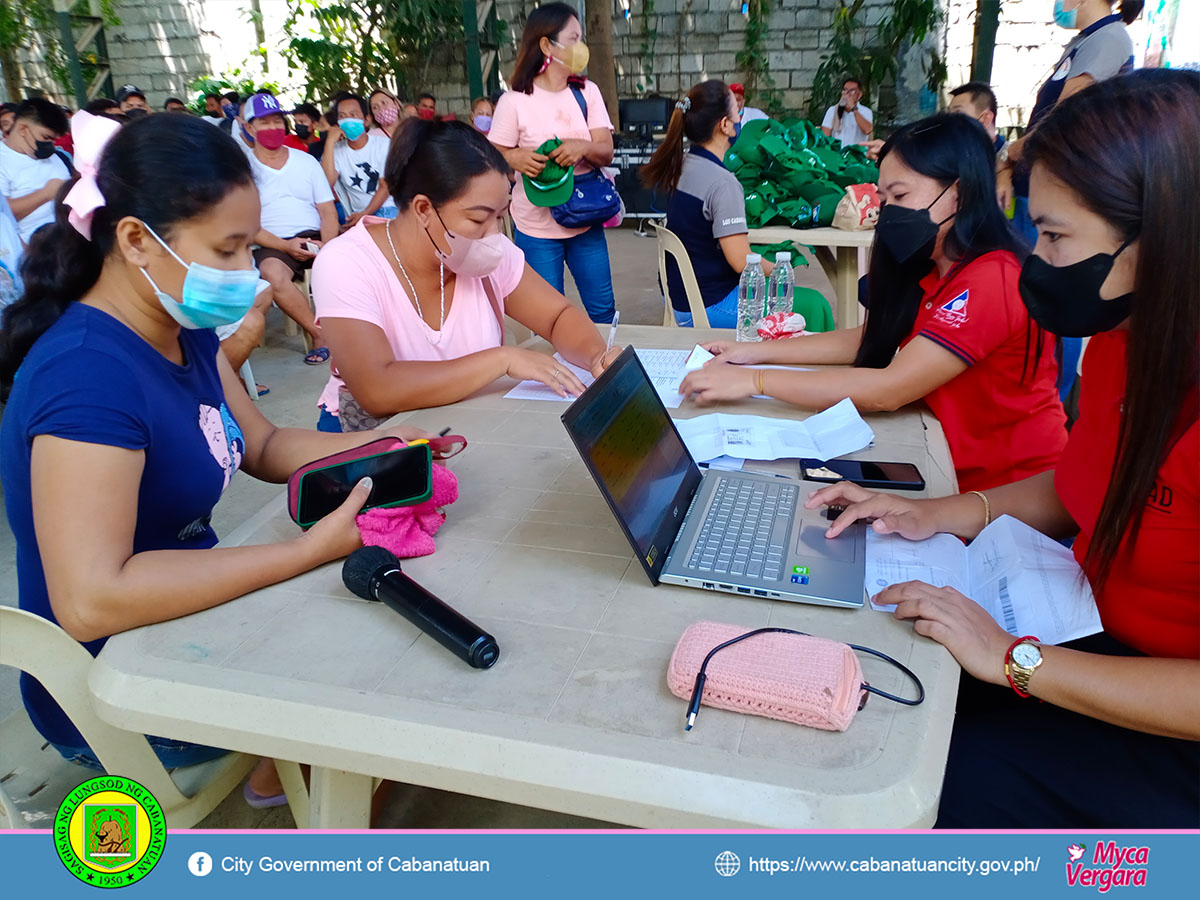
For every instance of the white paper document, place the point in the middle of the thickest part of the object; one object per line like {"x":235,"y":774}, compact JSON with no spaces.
{"x":1027,"y":582}
{"x":666,"y":368}
{"x":827,"y":435}
{"x":535,"y":390}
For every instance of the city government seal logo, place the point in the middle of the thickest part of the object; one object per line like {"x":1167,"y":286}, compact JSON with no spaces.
{"x":110,"y":832}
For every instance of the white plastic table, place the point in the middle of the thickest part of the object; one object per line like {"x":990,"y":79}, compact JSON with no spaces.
{"x":837,"y":252}
{"x":576,"y":716}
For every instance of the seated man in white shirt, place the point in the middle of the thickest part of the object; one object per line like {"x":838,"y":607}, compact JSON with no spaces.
{"x":354,"y":160}
{"x":297,"y":216}
{"x":850,"y":122}
{"x":30,"y":171}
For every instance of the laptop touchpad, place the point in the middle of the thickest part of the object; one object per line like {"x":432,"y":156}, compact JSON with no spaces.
{"x":812,"y":542}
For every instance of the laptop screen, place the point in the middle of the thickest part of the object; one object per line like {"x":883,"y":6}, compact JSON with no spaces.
{"x":636,"y":456}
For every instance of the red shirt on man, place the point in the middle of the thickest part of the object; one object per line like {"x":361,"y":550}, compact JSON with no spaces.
{"x":1151,"y":598}
{"x":1002,"y":416}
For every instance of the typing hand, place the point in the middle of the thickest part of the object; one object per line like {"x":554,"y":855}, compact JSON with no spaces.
{"x":891,"y":514}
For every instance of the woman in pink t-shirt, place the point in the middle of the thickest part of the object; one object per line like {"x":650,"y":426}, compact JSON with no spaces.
{"x":412,"y":308}
{"x":541,"y":106}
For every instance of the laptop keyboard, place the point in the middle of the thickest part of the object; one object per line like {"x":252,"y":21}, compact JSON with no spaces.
{"x":745,"y":529}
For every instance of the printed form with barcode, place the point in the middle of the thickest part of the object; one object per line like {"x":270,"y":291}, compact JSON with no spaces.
{"x":1027,"y":582}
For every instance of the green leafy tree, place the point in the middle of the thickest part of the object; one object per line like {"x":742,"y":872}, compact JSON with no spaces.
{"x":364,"y":44}
{"x":875,"y":60}
{"x":232,"y":80}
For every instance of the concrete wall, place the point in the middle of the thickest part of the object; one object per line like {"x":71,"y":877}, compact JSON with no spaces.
{"x":162,"y":45}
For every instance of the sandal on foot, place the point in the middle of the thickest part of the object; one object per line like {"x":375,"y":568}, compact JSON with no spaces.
{"x":258,"y":801}
{"x":317,"y":356}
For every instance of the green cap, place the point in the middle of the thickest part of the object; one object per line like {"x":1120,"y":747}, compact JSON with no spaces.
{"x":555,"y":183}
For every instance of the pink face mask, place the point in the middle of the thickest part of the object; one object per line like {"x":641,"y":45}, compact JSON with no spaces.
{"x":471,"y":258}
{"x":271,"y":138}
{"x":387,"y":115}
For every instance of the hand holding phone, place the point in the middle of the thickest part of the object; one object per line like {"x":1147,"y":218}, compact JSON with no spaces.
{"x":400,"y":476}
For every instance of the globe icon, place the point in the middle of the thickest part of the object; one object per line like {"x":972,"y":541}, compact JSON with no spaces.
{"x":727,"y":863}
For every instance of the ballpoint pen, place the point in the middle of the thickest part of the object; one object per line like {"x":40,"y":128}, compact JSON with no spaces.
{"x":612,"y":330}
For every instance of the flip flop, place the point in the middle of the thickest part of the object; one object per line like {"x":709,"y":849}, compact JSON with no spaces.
{"x":258,"y":801}
{"x":262,"y":389}
{"x":317,"y":356}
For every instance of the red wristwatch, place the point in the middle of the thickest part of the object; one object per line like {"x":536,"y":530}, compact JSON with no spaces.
{"x":1020,"y":662}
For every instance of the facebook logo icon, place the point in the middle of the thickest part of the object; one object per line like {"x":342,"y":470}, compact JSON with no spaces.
{"x":200,"y":864}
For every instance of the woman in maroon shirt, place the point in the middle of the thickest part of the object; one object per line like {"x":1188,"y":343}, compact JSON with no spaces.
{"x":1116,"y":173}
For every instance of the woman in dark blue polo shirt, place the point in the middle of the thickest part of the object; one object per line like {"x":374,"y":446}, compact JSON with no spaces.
{"x":707,"y":209}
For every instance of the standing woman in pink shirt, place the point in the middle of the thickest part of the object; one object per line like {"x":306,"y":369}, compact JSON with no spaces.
{"x":540,"y":106}
{"x":412,"y":308}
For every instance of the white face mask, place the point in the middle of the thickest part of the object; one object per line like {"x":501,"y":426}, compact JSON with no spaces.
{"x":470,"y":257}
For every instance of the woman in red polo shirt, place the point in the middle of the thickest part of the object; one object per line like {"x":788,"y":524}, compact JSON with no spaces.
{"x":943,"y":293}
{"x":1116,"y":170}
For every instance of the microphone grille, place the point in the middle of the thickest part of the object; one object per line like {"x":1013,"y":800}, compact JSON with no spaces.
{"x":362,"y":564}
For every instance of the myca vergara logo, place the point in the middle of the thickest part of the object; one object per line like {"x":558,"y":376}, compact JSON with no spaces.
{"x":110,"y":832}
{"x":1110,"y":866}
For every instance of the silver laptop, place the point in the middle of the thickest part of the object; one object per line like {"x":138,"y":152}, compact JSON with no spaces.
{"x":721,"y":531}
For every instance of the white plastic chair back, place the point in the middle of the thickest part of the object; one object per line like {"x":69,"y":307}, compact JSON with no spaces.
{"x":34,"y":778}
{"x":668,"y":242}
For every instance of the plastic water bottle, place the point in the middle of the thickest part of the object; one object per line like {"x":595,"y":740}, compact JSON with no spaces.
{"x":752,"y":298}
{"x":782,"y":287}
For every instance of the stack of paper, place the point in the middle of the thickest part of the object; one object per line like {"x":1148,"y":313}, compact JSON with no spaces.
{"x":827,"y":435}
{"x":1027,"y":582}
{"x":666,"y":368}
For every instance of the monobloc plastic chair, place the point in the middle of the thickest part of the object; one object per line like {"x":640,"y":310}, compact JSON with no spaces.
{"x":668,"y":242}
{"x":34,"y":778}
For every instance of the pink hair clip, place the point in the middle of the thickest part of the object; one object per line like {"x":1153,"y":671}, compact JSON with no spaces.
{"x":90,"y":134}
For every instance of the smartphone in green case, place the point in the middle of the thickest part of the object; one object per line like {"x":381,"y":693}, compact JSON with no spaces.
{"x":401,"y":476}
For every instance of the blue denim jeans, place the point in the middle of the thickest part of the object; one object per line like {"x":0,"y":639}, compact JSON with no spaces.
{"x":586,"y":255}
{"x":172,"y":754}
{"x":720,"y":315}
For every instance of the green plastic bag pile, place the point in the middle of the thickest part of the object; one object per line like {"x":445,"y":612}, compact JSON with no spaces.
{"x":794,"y":175}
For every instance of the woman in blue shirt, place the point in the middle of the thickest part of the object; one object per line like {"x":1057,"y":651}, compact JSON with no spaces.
{"x":125,"y":422}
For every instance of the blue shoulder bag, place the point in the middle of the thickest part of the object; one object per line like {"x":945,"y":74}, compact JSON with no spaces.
{"x":595,"y":199}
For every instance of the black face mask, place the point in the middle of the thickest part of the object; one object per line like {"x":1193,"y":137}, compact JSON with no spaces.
{"x":1065,"y":300}
{"x":43,"y":149}
{"x":909,"y":235}
{"x":302,"y":132}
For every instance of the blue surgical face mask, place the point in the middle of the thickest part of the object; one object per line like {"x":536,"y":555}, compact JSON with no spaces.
{"x":211,"y":297}
{"x":352,"y":128}
{"x":1063,"y":18}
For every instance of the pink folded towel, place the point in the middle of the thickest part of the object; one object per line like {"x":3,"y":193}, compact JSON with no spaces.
{"x":408,"y":530}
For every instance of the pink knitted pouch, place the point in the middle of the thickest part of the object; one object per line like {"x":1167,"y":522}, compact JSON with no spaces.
{"x":797,"y":678}
{"x":408,"y":530}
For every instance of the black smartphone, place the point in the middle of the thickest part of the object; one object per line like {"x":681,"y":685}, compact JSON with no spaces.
{"x":898,"y":476}
{"x":401,"y":477}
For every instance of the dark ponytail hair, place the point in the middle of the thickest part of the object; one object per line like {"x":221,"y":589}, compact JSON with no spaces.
{"x":547,"y":20}
{"x":708,"y":103}
{"x":1130,"y":10}
{"x":949,"y":148}
{"x":1129,"y":149}
{"x":437,"y":159}
{"x":162,"y":170}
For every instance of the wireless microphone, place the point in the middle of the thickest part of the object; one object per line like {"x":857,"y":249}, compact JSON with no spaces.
{"x":373,"y":573}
